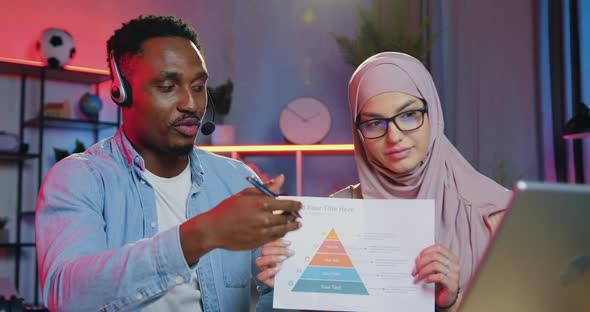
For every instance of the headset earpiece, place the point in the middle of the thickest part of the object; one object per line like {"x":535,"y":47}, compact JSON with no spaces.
{"x":120,"y":88}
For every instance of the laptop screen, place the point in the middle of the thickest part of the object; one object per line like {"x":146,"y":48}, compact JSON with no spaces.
{"x":539,"y":260}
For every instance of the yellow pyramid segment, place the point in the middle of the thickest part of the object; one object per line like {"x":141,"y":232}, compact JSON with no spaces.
{"x":332,"y":235}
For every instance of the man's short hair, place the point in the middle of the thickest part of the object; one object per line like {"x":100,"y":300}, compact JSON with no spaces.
{"x":128,"y":40}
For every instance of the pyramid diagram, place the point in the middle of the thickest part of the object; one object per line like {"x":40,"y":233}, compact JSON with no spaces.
{"x":331,"y":271}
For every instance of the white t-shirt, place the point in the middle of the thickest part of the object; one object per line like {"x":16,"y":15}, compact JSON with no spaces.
{"x":172,"y":196}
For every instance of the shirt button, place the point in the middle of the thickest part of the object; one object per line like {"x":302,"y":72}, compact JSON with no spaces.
{"x":142,"y":181}
{"x":179,"y":279}
{"x":138,"y":296}
{"x":153,"y":225}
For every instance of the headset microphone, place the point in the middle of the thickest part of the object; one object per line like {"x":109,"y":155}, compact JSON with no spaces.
{"x":208,"y":127}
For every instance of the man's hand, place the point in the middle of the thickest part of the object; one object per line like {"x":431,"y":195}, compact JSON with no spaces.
{"x":241,"y":222}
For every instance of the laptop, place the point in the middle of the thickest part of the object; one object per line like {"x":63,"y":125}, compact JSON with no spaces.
{"x":539,"y":259}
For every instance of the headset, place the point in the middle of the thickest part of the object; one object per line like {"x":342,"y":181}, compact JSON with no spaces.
{"x":121,"y":94}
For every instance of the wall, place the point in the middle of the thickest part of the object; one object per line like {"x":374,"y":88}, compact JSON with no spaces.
{"x":273,"y":58}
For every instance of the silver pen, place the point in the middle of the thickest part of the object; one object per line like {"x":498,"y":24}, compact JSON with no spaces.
{"x":268,"y":192}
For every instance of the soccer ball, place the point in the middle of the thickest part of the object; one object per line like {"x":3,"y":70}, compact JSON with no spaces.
{"x":57,"y":47}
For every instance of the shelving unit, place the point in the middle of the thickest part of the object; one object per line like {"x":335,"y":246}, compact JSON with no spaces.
{"x":15,"y":245}
{"x":17,"y":156}
{"x":66,"y":123}
{"x":241,"y":151}
{"x":27,"y":70}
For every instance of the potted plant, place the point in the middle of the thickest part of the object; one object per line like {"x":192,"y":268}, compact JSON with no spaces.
{"x":386,"y":30}
{"x":62,"y":153}
{"x":221,"y":97}
{"x":3,"y":230}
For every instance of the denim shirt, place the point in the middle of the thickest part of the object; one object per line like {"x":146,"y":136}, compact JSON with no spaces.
{"x":97,"y":236}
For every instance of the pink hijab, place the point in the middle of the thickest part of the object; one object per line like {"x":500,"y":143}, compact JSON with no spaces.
{"x":463,"y":197}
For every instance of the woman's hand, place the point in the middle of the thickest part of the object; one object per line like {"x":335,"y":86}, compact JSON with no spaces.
{"x":269,"y":262}
{"x":436,"y":264}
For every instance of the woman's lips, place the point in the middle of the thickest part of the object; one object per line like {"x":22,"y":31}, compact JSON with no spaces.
{"x":398,"y":153}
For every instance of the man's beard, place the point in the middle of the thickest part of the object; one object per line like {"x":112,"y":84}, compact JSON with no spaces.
{"x":182,"y":150}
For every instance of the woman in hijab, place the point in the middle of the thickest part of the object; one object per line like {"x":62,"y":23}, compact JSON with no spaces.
{"x":402,"y":152}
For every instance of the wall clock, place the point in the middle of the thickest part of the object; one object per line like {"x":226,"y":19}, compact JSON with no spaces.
{"x":305,"y":120}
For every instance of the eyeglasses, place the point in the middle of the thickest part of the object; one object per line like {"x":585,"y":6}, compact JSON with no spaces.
{"x":377,"y":127}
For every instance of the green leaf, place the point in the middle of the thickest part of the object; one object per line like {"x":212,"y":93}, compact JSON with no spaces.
{"x":79,"y":147}
{"x":60,"y":153}
{"x":346,"y":48}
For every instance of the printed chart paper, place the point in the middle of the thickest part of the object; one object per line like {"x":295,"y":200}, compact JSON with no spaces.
{"x":357,"y":255}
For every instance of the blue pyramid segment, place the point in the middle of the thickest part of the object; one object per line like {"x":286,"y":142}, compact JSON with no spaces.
{"x":334,"y":287}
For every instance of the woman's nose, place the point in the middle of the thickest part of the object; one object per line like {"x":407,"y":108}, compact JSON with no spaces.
{"x":393,"y":135}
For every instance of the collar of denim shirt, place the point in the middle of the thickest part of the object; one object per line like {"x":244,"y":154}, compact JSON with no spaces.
{"x":133,"y":159}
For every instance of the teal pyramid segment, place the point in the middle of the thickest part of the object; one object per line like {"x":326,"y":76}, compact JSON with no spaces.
{"x":331,"y":274}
